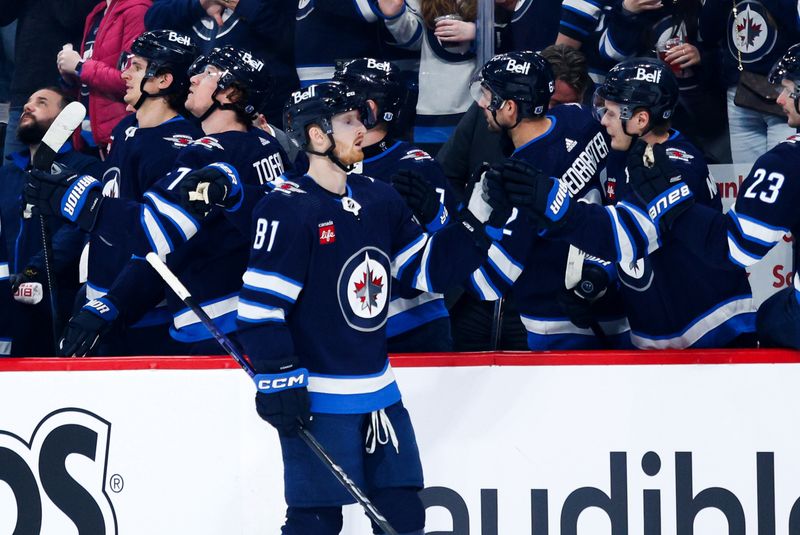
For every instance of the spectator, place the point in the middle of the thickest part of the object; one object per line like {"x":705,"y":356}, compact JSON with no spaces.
{"x":445,"y":32}
{"x":110,"y":29}
{"x":265,"y":27}
{"x":42,"y":27}
{"x":526,"y":24}
{"x":581,"y":27}
{"x":755,"y":124}
{"x":22,"y":237}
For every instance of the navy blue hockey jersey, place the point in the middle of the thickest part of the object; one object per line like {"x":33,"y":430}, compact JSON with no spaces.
{"x":409,"y":308}
{"x":673,"y":297}
{"x":209,"y":255}
{"x":575,"y":150}
{"x":138,"y":158}
{"x":318,"y":283}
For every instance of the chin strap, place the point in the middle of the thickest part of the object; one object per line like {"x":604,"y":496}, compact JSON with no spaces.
{"x":331,"y":156}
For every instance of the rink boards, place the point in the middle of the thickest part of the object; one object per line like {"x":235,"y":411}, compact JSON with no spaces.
{"x":646,"y":443}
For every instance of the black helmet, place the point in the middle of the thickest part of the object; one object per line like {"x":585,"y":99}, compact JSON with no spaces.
{"x":639,"y":83}
{"x":524,"y":77}
{"x":164,"y":50}
{"x":374,"y":80}
{"x":240,"y":69}
{"x":316,"y":105}
{"x":788,"y":68}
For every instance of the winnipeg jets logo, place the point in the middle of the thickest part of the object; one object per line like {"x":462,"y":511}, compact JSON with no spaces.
{"x":364,"y":289}
{"x":179,"y":140}
{"x":417,"y":154}
{"x":751,"y":35}
{"x":678,"y":154}
{"x":571,"y":144}
{"x":208,"y":142}
{"x":637,"y":276}
{"x":111,"y":182}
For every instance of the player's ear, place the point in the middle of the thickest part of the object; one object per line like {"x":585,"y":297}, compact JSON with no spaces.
{"x":164,"y":80}
{"x":317,"y":137}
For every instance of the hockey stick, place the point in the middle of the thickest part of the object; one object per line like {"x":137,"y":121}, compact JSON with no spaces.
{"x":59,"y":132}
{"x":337,"y":471}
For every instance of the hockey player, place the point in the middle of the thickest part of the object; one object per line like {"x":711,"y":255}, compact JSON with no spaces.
{"x":143,"y":150}
{"x":204,"y":244}
{"x":418,"y":322}
{"x":313,"y":312}
{"x":550,"y":283}
{"x":672,"y":298}
{"x":764,"y":212}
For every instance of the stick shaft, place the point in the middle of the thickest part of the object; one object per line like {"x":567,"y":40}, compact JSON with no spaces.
{"x":341,"y":476}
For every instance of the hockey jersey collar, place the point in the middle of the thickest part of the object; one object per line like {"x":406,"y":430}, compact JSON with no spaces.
{"x":22,"y":159}
{"x":553,"y":122}
{"x":379,"y":150}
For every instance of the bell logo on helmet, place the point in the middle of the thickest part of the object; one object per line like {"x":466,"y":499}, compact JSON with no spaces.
{"x":300,"y":96}
{"x":254,"y":63}
{"x":175,"y":37}
{"x":644,"y":76}
{"x":380,"y":65}
{"x":518,"y":68}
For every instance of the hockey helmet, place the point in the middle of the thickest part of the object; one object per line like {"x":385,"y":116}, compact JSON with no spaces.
{"x":788,"y":68}
{"x":316,"y":105}
{"x":165,"y":51}
{"x":524,"y":77}
{"x":241,"y":69}
{"x":374,"y":80}
{"x":639,"y":83}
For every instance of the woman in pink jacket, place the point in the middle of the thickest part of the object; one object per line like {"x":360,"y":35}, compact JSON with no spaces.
{"x":110,"y":29}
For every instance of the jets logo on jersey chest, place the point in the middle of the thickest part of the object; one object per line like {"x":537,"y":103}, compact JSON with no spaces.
{"x":678,"y":154}
{"x":179,"y":140}
{"x":364,"y":289}
{"x":208,"y":142}
{"x":417,"y":155}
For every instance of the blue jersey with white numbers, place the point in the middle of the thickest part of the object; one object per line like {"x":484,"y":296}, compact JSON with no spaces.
{"x":674,"y":298}
{"x":139,"y":157}
{"x":574,"y":149}
{"x":208,"y":255}
{"x":765,"y":211}
{"x":410,"y":308}
{"x":318,"y":285}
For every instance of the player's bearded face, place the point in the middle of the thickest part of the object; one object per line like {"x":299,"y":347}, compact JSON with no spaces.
{"x":37,"y":116}
{"x":348,"y":133}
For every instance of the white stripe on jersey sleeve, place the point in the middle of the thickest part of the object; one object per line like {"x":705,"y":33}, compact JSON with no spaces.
{"x":252,"y":312}
{"x":155,"y":234}
{"x":646,"y":227}
{"x":757,"y":231}
{"x":504,"y":264}
{"x":625,"y":247}
{"x":406,"y":255}
{"x":481,"y":283}
{"x":272,"y":283}
{"x":738,"y":255}
{"x":365,"y":8}
{"x":183,"y":221}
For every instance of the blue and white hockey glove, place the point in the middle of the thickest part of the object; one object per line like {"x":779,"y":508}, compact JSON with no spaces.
{"x":542,"y":198}
{"x":65,"y":194}
{"x":657,"y":184}
{"x":87,"y":326}
{"x":217,"y":184}
{"x":422,"y":198}
{"x":282,"y":397}
{"x":487,"y":208}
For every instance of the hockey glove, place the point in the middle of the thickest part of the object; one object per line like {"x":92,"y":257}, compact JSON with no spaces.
{"x":542,"y":198}
{"x":487,"y":208}
{"x":658,"y":184}
{"x":65,"y":194}
{"x":421,"y":198}
{"x":87,"y":326}
{"x":578,"y":302}
{"x":282,"y":398}
{"x":217,"y":184}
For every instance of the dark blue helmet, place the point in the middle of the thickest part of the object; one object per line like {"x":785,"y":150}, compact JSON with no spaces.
{"x":316,"y":105}
{"x":374,"y":80}
{"x":165,"y":51}
{"x":639,"y":83}
{"x":524,"y":77}
{"x":239,"y":69}
{"x":788,"y":68}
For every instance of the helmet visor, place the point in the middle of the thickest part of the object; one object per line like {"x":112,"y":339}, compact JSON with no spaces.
{"x":125,"y":60}
{"x":598,"y":104}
